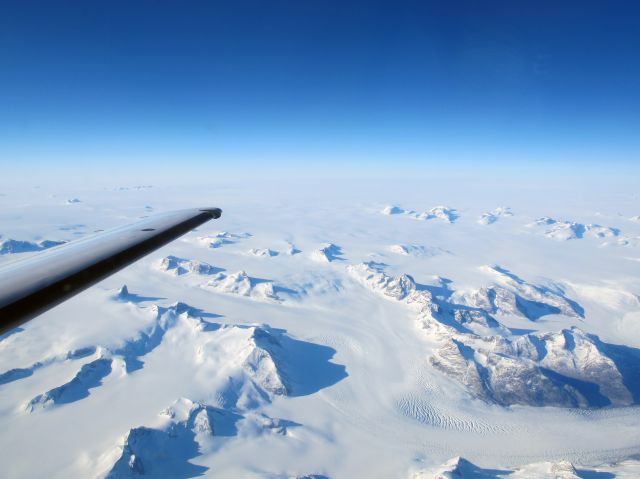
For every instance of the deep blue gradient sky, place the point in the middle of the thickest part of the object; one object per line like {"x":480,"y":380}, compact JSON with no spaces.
{"x":317,"y":83}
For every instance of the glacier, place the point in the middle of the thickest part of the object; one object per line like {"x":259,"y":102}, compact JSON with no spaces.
{"x":331,"y":332}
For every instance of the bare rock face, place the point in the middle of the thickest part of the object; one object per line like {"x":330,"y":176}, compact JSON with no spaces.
{"x":180,"y":266}
{"x":260,"y":362}
{"x":513,"y":295}
{"x":398,"y":288}
{"x":565,"y":369}
{"x":242,"y":284}
{"x":434,"y":313}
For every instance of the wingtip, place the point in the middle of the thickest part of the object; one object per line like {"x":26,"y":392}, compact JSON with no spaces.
{"x":214,"y":212}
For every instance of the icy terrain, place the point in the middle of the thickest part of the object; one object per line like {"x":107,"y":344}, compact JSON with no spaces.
{"x":326,"y":330}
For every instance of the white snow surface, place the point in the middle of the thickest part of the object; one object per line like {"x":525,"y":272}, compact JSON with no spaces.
{"x":304,"y":334}
{"x":443,"y":213}
{"x":461,"y":468}
{"x":571,"y":230}
{"x":491,"y":217}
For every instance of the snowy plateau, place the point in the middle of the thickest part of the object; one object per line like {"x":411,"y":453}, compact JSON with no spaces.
{"x":334,"y":329}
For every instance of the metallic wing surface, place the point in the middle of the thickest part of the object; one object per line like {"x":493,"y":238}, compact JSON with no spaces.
{"x":33,"y":285}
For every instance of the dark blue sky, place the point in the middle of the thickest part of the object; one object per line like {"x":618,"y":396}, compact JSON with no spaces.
{"x":319,"y":82}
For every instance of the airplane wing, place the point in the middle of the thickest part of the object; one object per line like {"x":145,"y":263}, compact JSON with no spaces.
{"x":33,"y":285}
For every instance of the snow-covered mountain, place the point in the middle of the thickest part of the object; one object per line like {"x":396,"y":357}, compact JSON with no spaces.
{"x":316,"y":337}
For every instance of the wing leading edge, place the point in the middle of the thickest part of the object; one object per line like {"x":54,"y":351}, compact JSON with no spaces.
{"x":31,"y":286}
